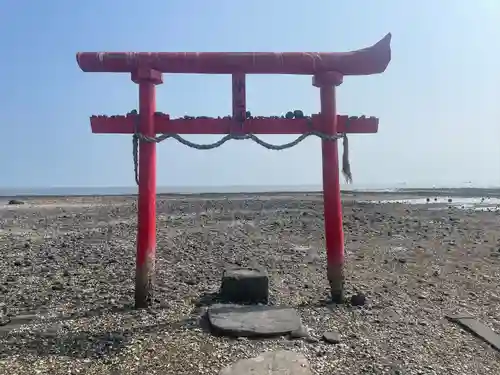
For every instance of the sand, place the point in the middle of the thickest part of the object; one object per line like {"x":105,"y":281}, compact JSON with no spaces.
{"x":67,"y":279}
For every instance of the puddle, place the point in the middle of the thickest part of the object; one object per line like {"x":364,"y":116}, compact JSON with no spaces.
{"x":443,"y":203}
{"x":486,"y":208}
{"x":468,"y":207}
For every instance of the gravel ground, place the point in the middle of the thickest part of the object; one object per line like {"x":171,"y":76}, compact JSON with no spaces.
{"x":67,"y":271}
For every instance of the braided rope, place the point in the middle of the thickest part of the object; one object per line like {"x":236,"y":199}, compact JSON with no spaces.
{"x":238,"y":137}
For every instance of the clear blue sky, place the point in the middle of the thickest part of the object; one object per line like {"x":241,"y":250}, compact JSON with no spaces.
{"x":437,"y":102}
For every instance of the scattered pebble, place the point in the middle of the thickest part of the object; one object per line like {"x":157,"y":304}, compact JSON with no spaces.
{"x":331,"y":337}
{"x":358,"y":299}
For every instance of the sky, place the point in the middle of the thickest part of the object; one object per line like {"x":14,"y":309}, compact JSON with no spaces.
{"x":437,"y":101}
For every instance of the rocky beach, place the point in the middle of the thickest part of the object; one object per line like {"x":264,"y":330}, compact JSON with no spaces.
{"x":67,"y":282}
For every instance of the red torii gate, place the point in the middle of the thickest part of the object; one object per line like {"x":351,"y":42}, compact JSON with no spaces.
{"x":146,"y":70}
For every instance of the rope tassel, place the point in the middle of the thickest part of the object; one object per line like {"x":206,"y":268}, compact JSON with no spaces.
{"x":346,"y":166}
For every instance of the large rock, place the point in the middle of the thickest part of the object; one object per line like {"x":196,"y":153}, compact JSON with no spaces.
{"x":282,"y":362}
{"x":253,"y":321}
{"x":244,"y":285}
{"x":15,"y":202}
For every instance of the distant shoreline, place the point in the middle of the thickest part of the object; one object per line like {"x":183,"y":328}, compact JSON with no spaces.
{"x":452,"y":192}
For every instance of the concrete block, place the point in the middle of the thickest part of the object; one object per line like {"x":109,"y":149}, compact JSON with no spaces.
{"x":245,"y":286}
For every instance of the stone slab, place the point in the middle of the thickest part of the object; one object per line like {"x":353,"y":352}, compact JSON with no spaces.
{"x":244,"y":285}
{"x":253,"y":321}
{"x":283,"y":362}
{"x":478,"y":329}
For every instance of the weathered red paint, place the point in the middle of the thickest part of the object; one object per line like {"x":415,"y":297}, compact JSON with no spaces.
{"x":371,"y":60}
{"x":328,"y":70}
{"x":163,"y":124}
{"x":146,"y":212}
{"x":239,"y":98}
{"x":334,"y":234}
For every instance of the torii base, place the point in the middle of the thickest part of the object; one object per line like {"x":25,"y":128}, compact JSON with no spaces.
{"x":335,"y":274}
{"x":144,"y":282}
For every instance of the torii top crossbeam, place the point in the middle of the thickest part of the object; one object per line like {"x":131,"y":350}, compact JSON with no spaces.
{"x":370,"y":60}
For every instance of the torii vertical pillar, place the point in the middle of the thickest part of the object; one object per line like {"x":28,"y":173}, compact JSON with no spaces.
{"x":334,"y":233}
{"x":147,"y":79}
